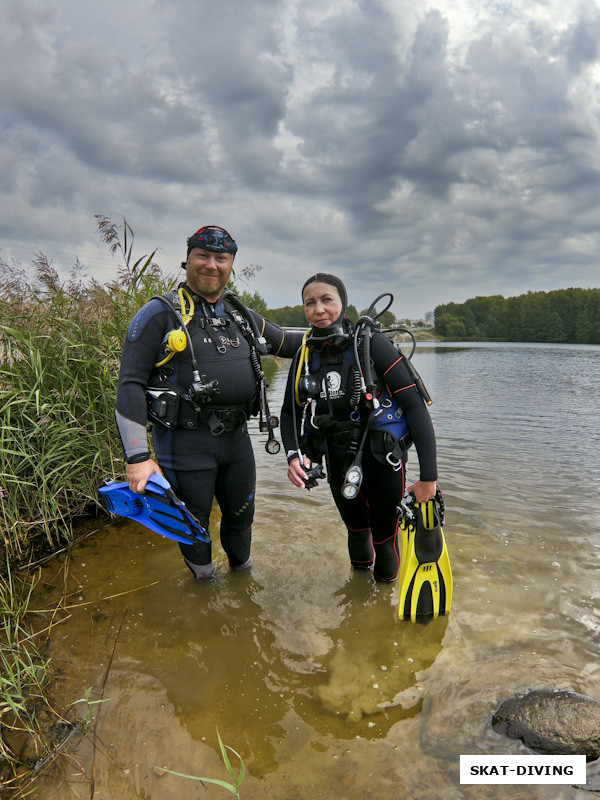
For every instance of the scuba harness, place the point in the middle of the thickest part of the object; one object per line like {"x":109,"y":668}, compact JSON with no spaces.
{"x":306,"y":391}
{"x":164,"y":401}
{"x":385,"y":424}
{"x":267,"y":422}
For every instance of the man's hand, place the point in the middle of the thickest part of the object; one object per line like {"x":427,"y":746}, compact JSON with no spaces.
{"x":138,"y":474}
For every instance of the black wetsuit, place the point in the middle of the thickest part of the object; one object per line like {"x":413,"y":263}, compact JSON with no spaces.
{"x":371,"y":518}
{"x":200,"y":459}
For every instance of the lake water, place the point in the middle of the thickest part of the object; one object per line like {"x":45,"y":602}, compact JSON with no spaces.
{"x":301,"y":664}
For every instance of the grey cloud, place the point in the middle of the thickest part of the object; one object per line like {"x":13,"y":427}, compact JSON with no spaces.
{"x":347,"y":136}
{"x":229,"y":59}
{"x":83,"y":96}
{"x":358,"y":129}
{"x":581,"y":42}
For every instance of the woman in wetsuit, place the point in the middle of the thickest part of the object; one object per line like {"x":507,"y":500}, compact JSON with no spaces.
{"x":323,"y":389}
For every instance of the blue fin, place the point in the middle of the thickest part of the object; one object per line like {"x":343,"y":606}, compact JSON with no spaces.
{"x":159,"y":509}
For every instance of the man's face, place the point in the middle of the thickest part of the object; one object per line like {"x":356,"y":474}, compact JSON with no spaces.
{"x":207,"y":273}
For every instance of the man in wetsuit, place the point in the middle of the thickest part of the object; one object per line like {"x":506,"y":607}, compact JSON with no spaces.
{"x":199,"y":399}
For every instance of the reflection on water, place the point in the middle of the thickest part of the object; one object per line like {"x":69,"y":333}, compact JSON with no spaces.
{"x":301,"y":664}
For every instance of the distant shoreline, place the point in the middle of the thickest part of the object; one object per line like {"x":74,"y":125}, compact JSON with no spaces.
{"x":420,"y":334}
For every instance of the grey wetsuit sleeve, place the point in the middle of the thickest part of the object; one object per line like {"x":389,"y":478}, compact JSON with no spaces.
{"x":133,"y":437}
{"x":140,"y":349}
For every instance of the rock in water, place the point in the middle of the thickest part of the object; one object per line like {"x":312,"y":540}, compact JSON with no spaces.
{"x":556,"y":723}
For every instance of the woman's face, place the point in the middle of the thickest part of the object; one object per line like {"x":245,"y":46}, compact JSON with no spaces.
{"x":322,"y":304}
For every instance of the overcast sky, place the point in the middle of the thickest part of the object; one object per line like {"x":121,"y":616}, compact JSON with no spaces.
{"x":437,"y":149}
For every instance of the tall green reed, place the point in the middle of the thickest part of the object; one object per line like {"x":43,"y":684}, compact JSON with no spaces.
{"x":60,"y":344}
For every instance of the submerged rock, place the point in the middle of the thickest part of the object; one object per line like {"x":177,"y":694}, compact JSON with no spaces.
{"x":555,"y":723}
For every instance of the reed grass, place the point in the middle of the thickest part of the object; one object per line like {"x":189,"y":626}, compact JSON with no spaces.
{"x":60,"y":344}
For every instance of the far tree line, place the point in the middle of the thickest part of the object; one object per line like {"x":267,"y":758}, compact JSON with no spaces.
{"x":564,"y":315}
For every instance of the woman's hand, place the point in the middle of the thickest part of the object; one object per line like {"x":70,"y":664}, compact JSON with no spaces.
{"x":138,"y":474}
{"x":423,"y":490}
{"x":296,"y":474}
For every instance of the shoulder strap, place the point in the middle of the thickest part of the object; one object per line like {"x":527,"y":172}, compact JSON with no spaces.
{"x":245,"y":322}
